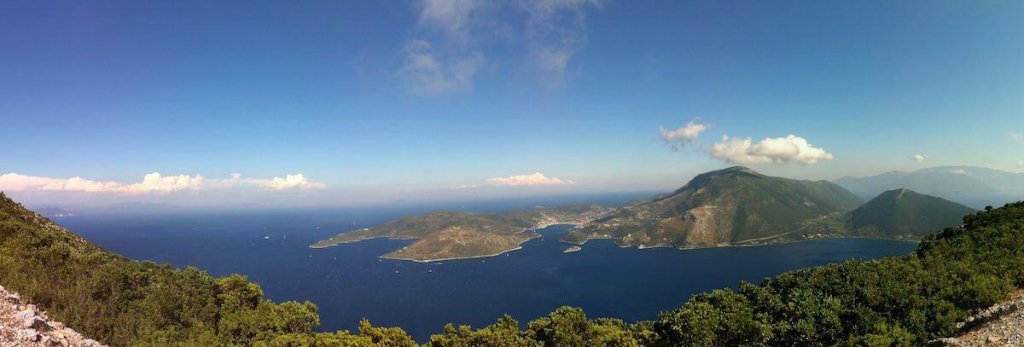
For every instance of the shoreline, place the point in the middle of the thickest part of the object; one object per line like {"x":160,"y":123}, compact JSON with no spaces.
{"x":741,"y":244}
{"x":518,"y":247}
{"x":453,"y":258}
{"x":647,"y":247}
{"x":747,"y":243}
{"x":315,"y":245}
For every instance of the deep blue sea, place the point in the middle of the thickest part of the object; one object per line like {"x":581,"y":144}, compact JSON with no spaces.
{"x":349,"y":282}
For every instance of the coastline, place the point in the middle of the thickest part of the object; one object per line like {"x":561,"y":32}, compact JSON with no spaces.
{"x":743,"y":244}
{"x":389,"y":237}
{"x":318,"y":246}
{"x":768,"y":241}
{"x":453,"y":258}
{"x":518,"y":247}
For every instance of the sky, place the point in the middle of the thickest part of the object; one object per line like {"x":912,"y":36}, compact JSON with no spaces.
{"x":375,"y":102}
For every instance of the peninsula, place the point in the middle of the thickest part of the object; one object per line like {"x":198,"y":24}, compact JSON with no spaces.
{"x":446,"y":235}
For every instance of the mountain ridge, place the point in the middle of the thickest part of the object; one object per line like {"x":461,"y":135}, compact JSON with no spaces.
{"x":734,"y":206}
{"x":969,"y":185}
{"x":720,"y":208}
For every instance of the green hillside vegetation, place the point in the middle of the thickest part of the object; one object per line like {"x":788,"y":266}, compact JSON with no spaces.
{"x":445,"y":235}
{"x":897,"y":301}
{"x":123,"y":302}
{"x":724,"y":207}
{"x":905,"y":213}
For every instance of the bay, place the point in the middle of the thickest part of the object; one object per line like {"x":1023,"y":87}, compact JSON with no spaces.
{"x":349,"y":282}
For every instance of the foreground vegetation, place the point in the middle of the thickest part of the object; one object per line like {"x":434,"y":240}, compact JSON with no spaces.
{"x":895,"y":301}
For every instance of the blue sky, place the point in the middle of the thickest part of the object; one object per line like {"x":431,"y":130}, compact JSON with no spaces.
{"x":373,"y":101}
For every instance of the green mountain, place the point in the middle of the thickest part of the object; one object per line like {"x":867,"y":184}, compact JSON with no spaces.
{"x":443,"y":235}
{"x":903,"y":212}
{"x":731,"y":206}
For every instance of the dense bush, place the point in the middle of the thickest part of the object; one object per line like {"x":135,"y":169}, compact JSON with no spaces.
{"x":896,"y":301}
{"x":123,"y":302}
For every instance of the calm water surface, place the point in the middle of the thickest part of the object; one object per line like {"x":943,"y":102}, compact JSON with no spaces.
{"x":349,"y":282}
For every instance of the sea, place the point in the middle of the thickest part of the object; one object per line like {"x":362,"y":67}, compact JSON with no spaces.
{"x":350,"y":282}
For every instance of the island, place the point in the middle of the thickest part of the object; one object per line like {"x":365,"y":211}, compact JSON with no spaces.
{"x":447,"y":235}
{"x":738,"y":206}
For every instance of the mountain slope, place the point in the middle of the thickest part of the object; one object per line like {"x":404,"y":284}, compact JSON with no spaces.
{"x":723,"y":207}
{"x":124,"y":302}
{"x":903,"y":212}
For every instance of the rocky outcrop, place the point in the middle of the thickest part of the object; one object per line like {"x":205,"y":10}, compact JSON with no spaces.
{"x":24,"y":325}
{"x":999,"y":325}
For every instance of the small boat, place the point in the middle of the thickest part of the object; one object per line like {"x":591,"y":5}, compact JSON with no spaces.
{"x":266,"y":237}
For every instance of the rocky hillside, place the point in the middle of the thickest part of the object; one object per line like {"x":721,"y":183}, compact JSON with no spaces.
{"x":24,"y":325}
{"x":724,"y":207}
{"x":999,"y":325}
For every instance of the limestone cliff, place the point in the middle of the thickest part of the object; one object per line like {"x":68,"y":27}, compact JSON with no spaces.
{"x":23,"y":324}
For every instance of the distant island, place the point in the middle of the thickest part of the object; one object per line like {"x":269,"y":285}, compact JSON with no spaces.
{"x":736,"y":206}
{"x":446,"y":235}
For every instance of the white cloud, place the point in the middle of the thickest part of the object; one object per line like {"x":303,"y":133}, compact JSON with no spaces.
{"x":152,"y":183}
{"x":920,"y":157}
{"x":446,"y":62}
{"x":555,"y":30}
{"x":1016,"y":137}
{"x":683,"y":135}
{"x":534,"y":179}
{"x":289,"y":182}
{"x":451,"y":17}
{"x":427,"y":72}
{"x":445,"y":52}
{"x":1020,"y":163}
{"x":781,"y":150}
